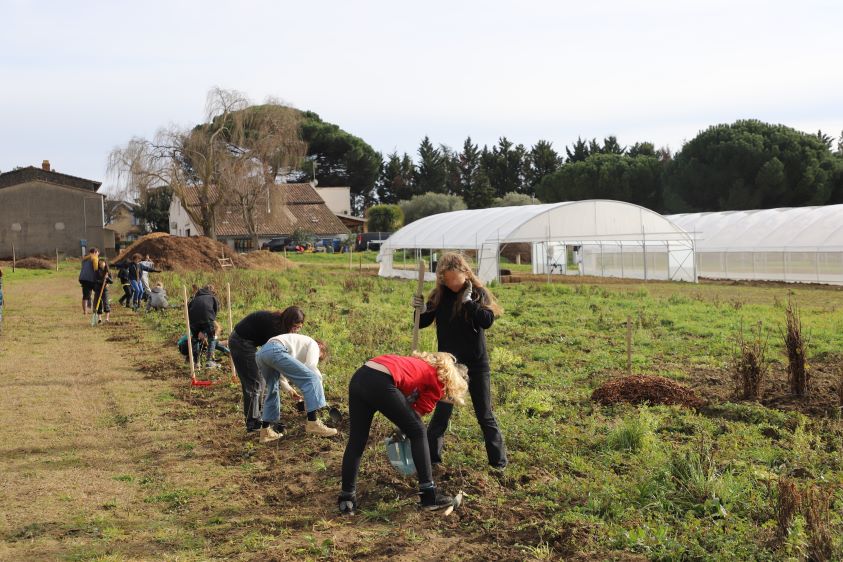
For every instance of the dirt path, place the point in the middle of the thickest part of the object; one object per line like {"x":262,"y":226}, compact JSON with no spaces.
{"x":91,"y":460}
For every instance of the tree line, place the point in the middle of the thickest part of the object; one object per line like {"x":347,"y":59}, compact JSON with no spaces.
{"x":241,"y":147}
{"x":744,"y":165}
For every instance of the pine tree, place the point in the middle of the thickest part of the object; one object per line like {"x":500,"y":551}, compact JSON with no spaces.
{"x":432,"y":173}
{"x":580,"y":151}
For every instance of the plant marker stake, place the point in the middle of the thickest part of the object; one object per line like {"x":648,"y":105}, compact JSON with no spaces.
{"x":189,"y":343}
{"x":14,"y":257}
{"x":628,"y":346}
{"x":230,"y":331}
{"x":417,"y":315}
{"x":57,"y":259}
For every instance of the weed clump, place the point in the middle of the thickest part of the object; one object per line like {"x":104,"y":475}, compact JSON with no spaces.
{"x":749,"y":368}
{"x":796,"y":347}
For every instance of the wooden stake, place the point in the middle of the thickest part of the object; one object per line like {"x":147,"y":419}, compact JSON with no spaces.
{"x":189,"y":342}
{"x":14,"y":257}
{"x":629,"y":346}
{"x":57,"y":259}
{"x":230,"y":331}
{"x":417,"y":315}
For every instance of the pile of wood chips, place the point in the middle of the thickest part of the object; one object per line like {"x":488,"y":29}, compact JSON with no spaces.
{"x":641,"y":389}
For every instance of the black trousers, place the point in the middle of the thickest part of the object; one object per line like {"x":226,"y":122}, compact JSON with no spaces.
{"x":372,"y":391}
{"x":479,"y":387}
{"x":126,"y":299}
{"x":243,"y":354}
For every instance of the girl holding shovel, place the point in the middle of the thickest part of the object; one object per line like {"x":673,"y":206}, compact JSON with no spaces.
{"x":402,"y":389}
{"x":103,"y":279}
{"x":463,"y":310}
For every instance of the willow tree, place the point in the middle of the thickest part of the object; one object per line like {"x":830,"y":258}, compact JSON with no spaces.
{"x":231,"y":159}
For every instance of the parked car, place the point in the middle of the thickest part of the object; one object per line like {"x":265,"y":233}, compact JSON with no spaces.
{"x":279,"y":245}
{"x":370,"y":241}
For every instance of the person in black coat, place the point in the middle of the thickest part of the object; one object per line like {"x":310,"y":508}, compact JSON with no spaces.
{"x":202,"y":313}
{"x":463,"y":310}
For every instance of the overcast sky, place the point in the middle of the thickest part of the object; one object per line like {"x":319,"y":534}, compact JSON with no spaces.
{"x":79,"y":78}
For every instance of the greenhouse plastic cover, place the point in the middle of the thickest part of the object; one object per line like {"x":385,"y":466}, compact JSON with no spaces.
{"x":592,"y":220}
{"x":798,"y":228}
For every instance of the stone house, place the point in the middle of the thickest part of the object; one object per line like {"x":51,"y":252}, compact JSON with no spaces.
{"x":43,"y":211}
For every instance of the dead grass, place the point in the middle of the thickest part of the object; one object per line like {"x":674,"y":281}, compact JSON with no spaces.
{"x":796,"y":350}
{"x":749,"y":366}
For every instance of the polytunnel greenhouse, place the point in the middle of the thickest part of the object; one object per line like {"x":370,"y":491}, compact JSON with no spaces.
{"x":802,"y":244}
{"x":607,"y":238}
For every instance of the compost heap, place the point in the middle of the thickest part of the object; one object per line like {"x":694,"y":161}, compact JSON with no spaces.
{"x":195,"y":253}
{"x":641,"y":389}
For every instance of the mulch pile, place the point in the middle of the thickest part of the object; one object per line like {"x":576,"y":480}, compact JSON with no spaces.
{"x":35,"y":263}
{"x":641,"y":389}
{"x":193,"y":253}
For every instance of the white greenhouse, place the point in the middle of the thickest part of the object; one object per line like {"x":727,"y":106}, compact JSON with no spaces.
{"x":802,"y":244}
{"x":608,"y":238}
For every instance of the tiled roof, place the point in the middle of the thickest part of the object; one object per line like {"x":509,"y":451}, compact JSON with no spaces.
{"x":292,"y":206}
{"x":31,"y":173}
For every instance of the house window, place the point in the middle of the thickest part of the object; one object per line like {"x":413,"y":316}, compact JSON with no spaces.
{"x":135,"y":221}
{"x":243,"y":245}
{"x":187,"y":232}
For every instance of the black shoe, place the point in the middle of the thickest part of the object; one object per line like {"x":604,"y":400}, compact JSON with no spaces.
{"x":440,"y":503}
{"x":279,"y":428}
{"x":347,"y":503}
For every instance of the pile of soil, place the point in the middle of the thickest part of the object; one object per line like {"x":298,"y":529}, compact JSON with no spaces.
{"x":271,"y":261}
{"x":35,"y":263}
{"x":640,"y":389}
{"x":193,"y":253}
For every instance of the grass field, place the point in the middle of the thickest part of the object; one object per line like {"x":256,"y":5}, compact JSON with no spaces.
{"x":585,"y":481}
{"x":660,"y":482}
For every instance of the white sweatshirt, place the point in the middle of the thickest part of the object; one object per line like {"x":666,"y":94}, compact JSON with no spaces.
{"x":303,"y":348}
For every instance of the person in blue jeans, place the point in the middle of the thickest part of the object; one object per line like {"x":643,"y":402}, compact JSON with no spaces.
{"x":294,"y":357}
{"x":135,"y":271}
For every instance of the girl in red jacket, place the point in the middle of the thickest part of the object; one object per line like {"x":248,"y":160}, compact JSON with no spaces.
{"x":402,"y":389}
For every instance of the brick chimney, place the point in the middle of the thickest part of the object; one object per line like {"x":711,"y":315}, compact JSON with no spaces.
{"x":45,"y":165}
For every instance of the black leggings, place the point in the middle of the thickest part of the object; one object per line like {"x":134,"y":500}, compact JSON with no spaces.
{"x":479,"y":387}
{"x":372,"y":391}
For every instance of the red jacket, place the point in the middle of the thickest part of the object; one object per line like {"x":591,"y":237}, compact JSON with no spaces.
{"x":412,"y":374}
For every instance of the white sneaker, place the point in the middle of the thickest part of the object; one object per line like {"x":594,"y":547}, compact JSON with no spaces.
{"x":319,"y":428}
{"x":212,"y":365}
{"x":268,"y":435}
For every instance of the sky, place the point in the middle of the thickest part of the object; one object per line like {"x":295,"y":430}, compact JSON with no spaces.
{"x":80,"y":78}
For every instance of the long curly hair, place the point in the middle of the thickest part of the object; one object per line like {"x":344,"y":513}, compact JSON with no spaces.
{"x":453,"y":261}
{"x":451,"y":374}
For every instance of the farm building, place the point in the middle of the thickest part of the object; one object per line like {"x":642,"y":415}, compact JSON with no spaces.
{"x":608,"y":238}
{"x":801,"y":244}
{"x":287,"y":207}
{"x":43,"y":211}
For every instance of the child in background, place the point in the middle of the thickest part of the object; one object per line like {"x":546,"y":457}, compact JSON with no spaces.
{"x":87,"y":278}
{"x":402,"y":389}
{"x":123,"y":276}
{"x":103,"y":279}
{"x":157,"y":298}
{"x":463,"y":310}
{"x":202,"y":313}
{"x":136,"y":269}
{"x":147,"y":290}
